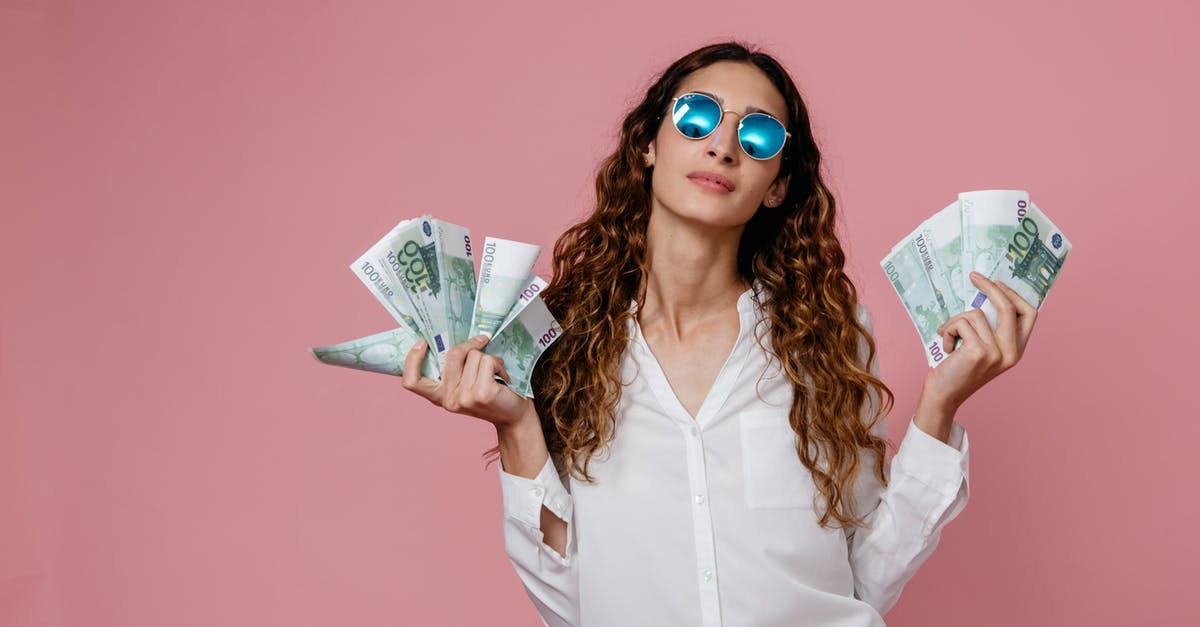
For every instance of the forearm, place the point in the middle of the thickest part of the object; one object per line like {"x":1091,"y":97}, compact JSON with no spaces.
{"x":935,"y":416}
{"x":928,"y":487}
{"x":523,"y":452}
{"x":523,"y":449}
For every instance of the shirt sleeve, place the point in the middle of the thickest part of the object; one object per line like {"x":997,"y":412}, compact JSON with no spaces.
{"x":551,"y":580}
{"x":928,"y":487}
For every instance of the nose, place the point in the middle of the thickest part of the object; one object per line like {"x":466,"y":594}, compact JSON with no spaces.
{"x":723,"y":142}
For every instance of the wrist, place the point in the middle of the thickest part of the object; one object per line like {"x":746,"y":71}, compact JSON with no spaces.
{"x":935,"y":415}
{"x":935,"y":398}
{"x":522,"y":445}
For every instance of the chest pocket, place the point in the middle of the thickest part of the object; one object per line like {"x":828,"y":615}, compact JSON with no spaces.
{"x":774,"y":476}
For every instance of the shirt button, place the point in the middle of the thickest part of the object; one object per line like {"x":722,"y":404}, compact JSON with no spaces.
{"x":708,"y":575}
{"x":694,"y":431}
{"x":537,"y":491}
{"x":699,"y":499}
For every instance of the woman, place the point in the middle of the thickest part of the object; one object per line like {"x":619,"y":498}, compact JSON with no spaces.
{"x":707,"y":439}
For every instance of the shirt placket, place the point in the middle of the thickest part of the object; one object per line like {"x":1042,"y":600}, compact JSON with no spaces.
{"x":706,"y":562}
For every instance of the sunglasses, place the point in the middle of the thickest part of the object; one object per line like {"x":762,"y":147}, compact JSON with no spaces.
{"x":696,"y":116}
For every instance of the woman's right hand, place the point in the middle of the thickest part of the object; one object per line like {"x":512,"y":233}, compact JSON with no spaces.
{"x":467,"y":385}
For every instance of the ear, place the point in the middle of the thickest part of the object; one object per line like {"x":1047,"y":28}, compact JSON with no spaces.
{"x":777,"y":191}
{"x":648,"y":154}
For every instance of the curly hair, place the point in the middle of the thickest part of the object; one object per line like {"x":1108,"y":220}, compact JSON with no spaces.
{"x":600,"y":262}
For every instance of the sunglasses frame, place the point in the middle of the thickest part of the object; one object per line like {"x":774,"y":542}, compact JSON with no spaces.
{"x":786,"y":134}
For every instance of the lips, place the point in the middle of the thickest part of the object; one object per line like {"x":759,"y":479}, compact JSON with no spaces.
{"x":713,"y":177}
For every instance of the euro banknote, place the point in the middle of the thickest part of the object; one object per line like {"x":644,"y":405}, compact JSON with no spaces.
{"x":456,"y":267}
{"x":382,"y":352}
{"x":522,"y":341}
{"x":1029,"y":263}
{"x":423,"y":272}
{"x":503,"y":272}
{"x":998,"y":233}
{"x":410,"y":255}
{"x":372,"y":269}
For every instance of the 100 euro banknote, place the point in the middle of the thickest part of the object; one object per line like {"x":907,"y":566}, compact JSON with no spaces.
{"x":383,"y":352}
{"x":522,"y":341}
{"x":998,"y":233}
{"x":1029,"y":263}
{"x":527,"y":332}
{"x":504,"y":271}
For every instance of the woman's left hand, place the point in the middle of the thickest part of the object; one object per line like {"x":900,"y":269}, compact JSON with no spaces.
{"x":984,"y":353}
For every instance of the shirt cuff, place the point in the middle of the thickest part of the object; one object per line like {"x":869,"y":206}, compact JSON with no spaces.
{"x":943,"y":466}
{"x":524,"y":497}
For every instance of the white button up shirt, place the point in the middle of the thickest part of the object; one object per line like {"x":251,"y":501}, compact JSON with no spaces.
{"x":710,"y":521}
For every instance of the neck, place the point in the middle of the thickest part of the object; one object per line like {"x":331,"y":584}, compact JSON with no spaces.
{"x":692,"y":271}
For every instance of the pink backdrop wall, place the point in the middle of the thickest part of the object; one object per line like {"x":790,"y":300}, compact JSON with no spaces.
{"x":183,"y":185}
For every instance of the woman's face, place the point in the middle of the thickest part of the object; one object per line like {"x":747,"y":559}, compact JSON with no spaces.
{"x":677,"y":183}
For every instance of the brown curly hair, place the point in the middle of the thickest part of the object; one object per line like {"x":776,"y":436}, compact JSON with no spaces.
{"x":599,"y":265}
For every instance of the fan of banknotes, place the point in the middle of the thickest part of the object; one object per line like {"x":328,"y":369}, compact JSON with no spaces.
{"x":997,"y":233}
{"x":423,"y":272}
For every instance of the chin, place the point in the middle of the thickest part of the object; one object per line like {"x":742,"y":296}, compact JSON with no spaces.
{"x":712,"y":212}
{"x":691,"y":204}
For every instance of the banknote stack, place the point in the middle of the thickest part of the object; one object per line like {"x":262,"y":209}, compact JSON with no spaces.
{"x":997,"y":233}
{"x":423,"y":272}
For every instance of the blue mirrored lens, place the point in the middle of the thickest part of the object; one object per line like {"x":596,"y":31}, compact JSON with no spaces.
{"x":761,"y":136}
{"x":696,"y":115}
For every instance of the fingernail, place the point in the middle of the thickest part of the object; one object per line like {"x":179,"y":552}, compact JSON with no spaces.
{"x":976,"y":275}
{"x":481,"y":336}
{"x":421,"y":343}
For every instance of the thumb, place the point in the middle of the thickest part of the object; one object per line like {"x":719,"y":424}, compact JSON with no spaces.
{"x":503,"y":372}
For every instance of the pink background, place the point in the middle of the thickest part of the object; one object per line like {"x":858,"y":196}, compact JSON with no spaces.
{"x":184,"y":184}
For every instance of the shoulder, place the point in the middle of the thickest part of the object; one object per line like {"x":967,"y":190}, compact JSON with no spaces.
{"x":864,"y":349}
{"x":864,"y":317}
